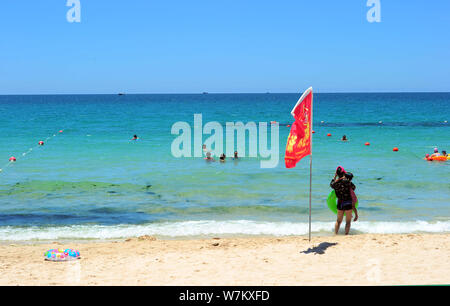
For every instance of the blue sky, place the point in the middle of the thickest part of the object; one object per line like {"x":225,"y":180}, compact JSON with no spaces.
{"x":223,"y":46}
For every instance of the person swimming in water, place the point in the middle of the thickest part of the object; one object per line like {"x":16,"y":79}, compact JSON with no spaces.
{"x":235,"y":155}
{"x":444,"y":153}
{"x":436,"y":153}
{"x":209,"y":157}
{"x":344,"y":138}
{"x":222,"y":157}
{"x":205,"y":151}
{"x":342,"y":186}
{"x":135,"y":137}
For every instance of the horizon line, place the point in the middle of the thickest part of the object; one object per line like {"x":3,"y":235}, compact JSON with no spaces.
{"x":220,"y":93}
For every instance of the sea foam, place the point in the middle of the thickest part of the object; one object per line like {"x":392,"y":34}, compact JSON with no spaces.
{"x":207,"y":228}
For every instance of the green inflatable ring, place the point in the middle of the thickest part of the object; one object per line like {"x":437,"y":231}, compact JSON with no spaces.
{"x":332,"y":202}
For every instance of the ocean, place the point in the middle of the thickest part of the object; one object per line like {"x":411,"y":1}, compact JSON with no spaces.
{"x":90,"y":181}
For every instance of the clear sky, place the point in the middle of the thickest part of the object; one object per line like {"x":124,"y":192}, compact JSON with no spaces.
{"x":232,"y":46}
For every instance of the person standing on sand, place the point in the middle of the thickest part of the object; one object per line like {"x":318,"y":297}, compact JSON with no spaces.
{"x":342,"y":186}
{"x":349,"y":176}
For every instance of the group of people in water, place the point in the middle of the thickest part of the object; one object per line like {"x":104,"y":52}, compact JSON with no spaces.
{"x":222,"y":158}
{"x":341,"y":183}
{"x":436,"y":154}
{"x":443,"y":156}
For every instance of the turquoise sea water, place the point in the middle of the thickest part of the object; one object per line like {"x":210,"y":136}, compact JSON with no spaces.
{"x":91,"y":181}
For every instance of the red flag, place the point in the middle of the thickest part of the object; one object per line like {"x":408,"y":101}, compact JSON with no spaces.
{"x":299,"y":141}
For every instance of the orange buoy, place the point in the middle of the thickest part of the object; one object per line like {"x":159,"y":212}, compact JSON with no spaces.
{"x":60,"y":131}
{"x":328,"y":134}
{"x":313,"y":132}
{"x":367,"y":143}
{"x":395,"y":149}
{"x":12,"y":159}
{"x":288,"y":125}
{"x":41,"y":143}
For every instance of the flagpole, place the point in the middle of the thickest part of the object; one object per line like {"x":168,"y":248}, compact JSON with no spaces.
{"x":310,"y":189}
{"x":310,"y":164}
{"x":295,"y":154}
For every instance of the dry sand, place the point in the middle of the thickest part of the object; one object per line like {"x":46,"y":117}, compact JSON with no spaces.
{"x":335,"y":260}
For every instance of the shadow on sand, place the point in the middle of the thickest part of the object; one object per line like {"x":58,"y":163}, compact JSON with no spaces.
{"x":320,"y":249}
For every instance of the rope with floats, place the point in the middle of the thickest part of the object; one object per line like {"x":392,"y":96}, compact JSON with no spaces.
{"x":13,"y":159}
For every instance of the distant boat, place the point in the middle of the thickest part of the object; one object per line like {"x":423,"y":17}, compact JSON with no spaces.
{"x":120,"y":93}
{"x":204,"y":93}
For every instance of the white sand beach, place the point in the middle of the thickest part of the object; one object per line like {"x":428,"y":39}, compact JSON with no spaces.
{"x":388,"y":259}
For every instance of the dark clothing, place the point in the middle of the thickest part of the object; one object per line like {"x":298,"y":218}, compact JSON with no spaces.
{"x":342,"y":189}
{"x":346,"y":205}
